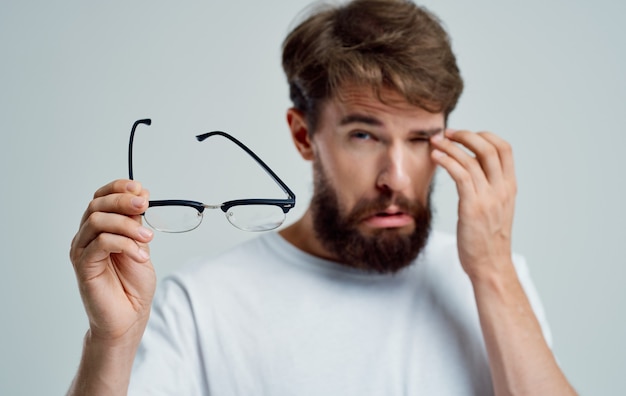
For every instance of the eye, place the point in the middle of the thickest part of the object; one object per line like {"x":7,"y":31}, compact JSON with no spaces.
{"x":420,"y":138}
{"x":361,"y":135}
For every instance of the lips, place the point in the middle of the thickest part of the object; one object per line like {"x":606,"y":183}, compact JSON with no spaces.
{"x":390,"y":218}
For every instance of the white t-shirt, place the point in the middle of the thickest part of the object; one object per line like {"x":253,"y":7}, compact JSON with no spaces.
{"x":268,"y":319}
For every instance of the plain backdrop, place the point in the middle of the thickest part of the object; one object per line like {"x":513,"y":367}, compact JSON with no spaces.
{"x":547,"y":75}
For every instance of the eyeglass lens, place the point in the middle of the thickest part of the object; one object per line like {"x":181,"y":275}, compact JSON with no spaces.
{"x":173,"y":218}
{"x":176,"y":218}
{"x":256,"y":217}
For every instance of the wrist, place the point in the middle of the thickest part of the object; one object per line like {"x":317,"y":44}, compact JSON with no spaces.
{"x":112,"y":345}
{"x":105,"y":366}
{"x":124,"y":331}
{"x":492,"y":272}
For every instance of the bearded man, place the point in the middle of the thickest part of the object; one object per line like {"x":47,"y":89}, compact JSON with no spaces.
{"x":357,"y":297}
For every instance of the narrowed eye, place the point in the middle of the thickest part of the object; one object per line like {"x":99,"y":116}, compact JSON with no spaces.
{"x":419,"y":138}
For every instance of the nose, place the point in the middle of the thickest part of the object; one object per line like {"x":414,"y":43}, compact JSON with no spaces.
{"x":394,"y":175}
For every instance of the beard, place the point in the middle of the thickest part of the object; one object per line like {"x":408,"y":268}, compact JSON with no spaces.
{"x":385,"y":250}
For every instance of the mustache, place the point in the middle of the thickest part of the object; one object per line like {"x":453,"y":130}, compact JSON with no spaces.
{"x":367,"y":207}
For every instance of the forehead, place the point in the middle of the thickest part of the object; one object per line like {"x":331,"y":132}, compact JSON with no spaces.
{"x":385,"y":105}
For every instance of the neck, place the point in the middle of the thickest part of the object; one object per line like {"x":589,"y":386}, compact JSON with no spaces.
{"x":301,"y":235}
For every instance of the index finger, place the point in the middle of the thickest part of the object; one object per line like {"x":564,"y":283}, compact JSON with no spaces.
{"x":119,"y":186}
{"x":505,"y":152}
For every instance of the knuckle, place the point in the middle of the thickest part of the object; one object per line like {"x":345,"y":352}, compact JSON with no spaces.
{"x":93,"y":219}
{"x":464,"y":178}
{"x":503,"y":199}
{"x":117,"y":202}
{"x":101,"y":191}
{"x":490,"y":151}
{"x":98,"y":192}
{"x":73,"y":256}
{"x":101,"y":240}
{"x":505,"y":194}
{"x":506,"y":148}
{"x":92,"y":207}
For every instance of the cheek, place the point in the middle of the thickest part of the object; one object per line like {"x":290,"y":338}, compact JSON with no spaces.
{"x":422,"y":170}
{"x":426,"y":166}
{"x":351,"y":178}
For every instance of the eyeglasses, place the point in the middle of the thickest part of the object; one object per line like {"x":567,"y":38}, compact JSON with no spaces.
{"x":175,"y":215}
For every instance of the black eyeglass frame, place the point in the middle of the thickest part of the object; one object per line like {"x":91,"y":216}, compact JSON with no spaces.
{"x":285,"y":204}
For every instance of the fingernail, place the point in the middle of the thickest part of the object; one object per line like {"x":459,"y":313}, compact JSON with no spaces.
{"x":131,"y":186}
{"x":144,"y":232}
{"x":437,"y":137}
{"x":138,"y":202}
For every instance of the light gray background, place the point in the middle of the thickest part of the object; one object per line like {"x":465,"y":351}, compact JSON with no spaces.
{"x":547,"y":75}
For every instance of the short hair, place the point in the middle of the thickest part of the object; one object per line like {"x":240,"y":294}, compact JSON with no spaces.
{"x":392,"y":44}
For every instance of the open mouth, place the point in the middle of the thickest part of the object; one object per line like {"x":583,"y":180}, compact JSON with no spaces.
{"x":385,"y":214}
{"x":389,"y":219}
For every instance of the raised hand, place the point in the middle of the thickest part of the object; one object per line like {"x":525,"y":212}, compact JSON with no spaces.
{"x":110,"y":256}
{"x":484,"y":174}
{"x":481,"y":164}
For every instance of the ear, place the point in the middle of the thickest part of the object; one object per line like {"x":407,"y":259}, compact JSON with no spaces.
{"x":300,"y":133}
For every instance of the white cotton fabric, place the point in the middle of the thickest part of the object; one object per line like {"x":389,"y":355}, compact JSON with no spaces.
{"x":268,"y":319}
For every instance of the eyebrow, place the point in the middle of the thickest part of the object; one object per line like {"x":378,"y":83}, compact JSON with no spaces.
{"x":360,"y":119}
{"x":373,"y":121}
{"x":427,"y":132}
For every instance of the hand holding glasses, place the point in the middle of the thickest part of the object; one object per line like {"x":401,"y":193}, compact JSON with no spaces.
{"x":175,"y":215}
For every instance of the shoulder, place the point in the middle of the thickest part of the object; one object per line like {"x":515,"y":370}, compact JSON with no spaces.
{"x":234,"y":268}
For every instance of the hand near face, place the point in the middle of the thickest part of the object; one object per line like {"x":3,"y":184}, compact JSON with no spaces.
{"x":110,"y":257}
{"x":484,"y":174}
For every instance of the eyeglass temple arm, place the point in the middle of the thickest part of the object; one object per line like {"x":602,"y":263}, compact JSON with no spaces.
{"x":145,"y":121}
{"x":274,"y":176}
{"x":200,"y":138}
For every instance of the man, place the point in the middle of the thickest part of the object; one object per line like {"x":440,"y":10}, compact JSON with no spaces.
{"x":356,"y":297}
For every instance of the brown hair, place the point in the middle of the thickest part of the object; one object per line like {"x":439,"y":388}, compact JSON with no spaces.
{"x":379,"y":43}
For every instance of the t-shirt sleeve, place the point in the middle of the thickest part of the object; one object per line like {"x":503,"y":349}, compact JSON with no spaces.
{"x":168,"y":361}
